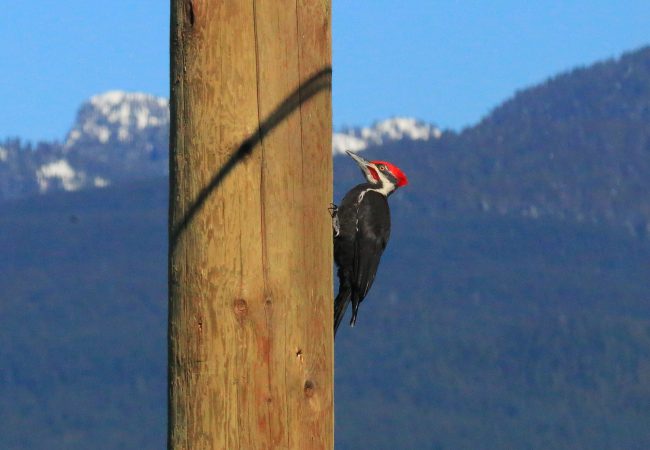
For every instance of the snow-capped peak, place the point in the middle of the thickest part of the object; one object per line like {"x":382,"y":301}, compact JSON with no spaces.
{"x":120,"y":117}
{"x":109,"y":101}
{"x":59,"y":172}
{"x":394,"y":129}
{"x":117,"y":116}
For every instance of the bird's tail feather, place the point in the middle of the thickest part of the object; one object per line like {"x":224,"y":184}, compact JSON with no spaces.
{"x":355,"y":310}
{"x":340,"y":306}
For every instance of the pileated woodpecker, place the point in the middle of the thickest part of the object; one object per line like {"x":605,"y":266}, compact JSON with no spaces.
{"x":361,"y":230}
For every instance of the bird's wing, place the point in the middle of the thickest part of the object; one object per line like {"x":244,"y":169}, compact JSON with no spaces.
{"x":373,"y":231}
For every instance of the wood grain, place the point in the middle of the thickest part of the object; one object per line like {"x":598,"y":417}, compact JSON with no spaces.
{"x":250,"y":267}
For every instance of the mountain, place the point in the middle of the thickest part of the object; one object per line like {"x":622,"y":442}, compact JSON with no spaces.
{"x":510,"y":308}
{"x":120,"y":136}
{"x":383,"y":132}
{"x":480,"y":331}
{"x":116,"y":137}
{"x":575,"y":148}
{"x":119,"y":117}
{"x":123,"y":136}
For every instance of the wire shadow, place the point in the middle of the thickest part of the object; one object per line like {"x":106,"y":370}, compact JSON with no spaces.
{"x":318,"y":82}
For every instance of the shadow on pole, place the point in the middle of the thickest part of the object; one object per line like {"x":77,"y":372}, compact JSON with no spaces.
{"x":320,"y":81}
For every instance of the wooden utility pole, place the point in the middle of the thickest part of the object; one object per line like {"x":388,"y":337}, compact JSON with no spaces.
{"x":250,"y":256}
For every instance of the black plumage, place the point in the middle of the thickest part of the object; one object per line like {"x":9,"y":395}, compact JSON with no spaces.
{"x":364,"y":229}
{"x":361,"y":231}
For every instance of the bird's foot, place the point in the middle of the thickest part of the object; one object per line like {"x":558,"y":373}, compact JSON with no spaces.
{"x":333,"y":209}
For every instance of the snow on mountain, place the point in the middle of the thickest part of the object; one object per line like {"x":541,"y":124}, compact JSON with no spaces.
{"x":117,"y":116}
{"x":394,"y":129}
{"x":344,"y":141}
{"x":119,"y":136}
{"x":59,"y":173}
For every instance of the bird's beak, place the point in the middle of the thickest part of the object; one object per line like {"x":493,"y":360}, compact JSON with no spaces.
{"x":362,"y":163}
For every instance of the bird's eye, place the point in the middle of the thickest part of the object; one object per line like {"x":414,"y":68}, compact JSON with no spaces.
{"x":382,"y":167}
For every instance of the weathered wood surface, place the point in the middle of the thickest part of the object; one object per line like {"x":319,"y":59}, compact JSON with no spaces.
{"x":250,"y":271}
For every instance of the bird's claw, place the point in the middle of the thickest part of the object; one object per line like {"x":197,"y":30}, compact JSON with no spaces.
{"x":333,"y":209}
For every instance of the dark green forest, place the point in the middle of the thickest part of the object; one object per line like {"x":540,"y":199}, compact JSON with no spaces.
{"x":481,"y":332}
{"x":83,"y":315}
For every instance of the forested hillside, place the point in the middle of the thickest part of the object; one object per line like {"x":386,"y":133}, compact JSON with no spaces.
{"x":511,"y":308}
{"x":480,"y":329}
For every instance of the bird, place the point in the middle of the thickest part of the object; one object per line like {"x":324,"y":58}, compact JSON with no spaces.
{"x":361,"y":229}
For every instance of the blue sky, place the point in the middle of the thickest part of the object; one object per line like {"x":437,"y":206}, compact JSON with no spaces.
{"x":447,"y":62}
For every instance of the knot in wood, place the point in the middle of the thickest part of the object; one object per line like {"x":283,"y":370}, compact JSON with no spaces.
{"x":241,"y":307}
{"x":309,"y":388}
{"x":189,"y":12}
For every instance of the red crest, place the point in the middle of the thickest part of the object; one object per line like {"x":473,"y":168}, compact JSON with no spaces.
{"x":394,"y":170}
